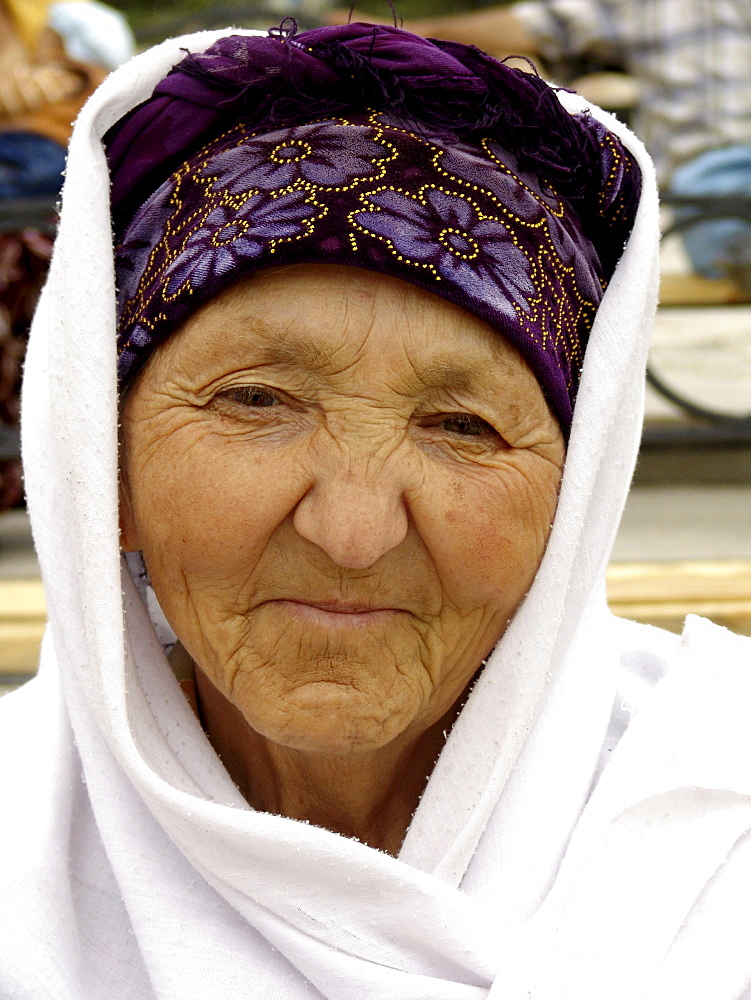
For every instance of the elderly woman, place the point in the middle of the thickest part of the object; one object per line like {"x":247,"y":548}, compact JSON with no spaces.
{"x":350,"y":717}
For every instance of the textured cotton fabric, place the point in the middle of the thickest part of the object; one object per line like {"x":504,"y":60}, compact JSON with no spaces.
{"x":585,"y":833}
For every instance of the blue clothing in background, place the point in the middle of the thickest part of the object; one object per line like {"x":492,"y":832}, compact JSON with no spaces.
{"x":721,"y":247}
{"x":30,"y":165}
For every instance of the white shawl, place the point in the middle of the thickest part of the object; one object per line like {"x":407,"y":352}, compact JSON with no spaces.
{"x":551,"y":857}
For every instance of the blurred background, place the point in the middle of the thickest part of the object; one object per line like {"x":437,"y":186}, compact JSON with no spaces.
{"x":678,"y":71}
{"x":149,"y":19}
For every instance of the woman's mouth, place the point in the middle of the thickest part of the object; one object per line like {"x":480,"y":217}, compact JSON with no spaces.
{"x":334,"y":614}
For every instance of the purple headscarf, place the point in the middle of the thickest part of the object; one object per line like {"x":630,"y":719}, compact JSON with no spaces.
{"x":370,"y":147}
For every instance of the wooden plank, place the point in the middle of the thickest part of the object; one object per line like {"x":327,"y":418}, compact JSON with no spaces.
{"x":22,"y":600}
{"x":22,"y":620}
{"x":19,"y":646}
{"x":663,"y":593}
{"x":691,"y":290}
{"x":688,"y":580}
{"x":672,"y":616}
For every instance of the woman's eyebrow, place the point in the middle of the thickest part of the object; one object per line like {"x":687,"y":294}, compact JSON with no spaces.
{"x":446,"y":376}
{"x":286,"y":349}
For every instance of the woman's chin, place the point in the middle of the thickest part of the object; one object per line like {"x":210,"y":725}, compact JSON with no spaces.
{"x":330,"y":716}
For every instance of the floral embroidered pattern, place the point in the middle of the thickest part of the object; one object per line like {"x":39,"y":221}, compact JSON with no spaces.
{"x":448,"y":234}
{"x":134,"y":253}
{"x":457,"y":218}
{"x":508,"y":186}
{"x":139,"y":340}
{"x":228,"y":235}
{"x":311,"y":154}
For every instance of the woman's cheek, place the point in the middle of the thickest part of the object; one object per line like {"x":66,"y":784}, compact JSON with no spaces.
{"x":219,"y":505}
{"x":491,"y":532}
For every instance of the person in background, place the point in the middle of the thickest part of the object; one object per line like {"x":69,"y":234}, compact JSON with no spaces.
{"x":692,"y":62}
{"x":52,"y":57}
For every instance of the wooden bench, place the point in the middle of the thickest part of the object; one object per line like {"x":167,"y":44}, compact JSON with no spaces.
{"x":22,"y":619}
{"x":663,"y":593}
{"x":692,"y":290}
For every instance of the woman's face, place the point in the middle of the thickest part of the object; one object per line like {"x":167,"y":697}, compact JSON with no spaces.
{"x":342,"y":487}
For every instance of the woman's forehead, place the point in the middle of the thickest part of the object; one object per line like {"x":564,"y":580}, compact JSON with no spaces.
{"x":320,"y":320}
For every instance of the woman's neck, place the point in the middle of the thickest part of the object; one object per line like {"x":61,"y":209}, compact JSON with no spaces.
{"x":367,"y":794}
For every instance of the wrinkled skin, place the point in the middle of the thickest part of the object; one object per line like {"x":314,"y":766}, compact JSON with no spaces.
{"x":342,"y":487}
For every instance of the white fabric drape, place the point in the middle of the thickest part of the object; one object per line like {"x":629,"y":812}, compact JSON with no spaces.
{"x":561,"y":850}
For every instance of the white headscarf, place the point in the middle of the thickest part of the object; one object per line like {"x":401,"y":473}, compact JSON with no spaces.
{"x":551,"y":856}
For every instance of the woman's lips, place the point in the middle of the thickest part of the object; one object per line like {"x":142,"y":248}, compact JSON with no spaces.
{"x":337,"y":614}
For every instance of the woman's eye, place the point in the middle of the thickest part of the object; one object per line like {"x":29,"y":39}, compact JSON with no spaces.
{"x":251,"y":395}
{"x":466,"y":425}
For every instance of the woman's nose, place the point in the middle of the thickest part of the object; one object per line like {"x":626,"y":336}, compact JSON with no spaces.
{"x":354,"y":520}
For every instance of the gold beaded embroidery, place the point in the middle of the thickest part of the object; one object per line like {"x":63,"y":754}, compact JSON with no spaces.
{"x":548,"y":317}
